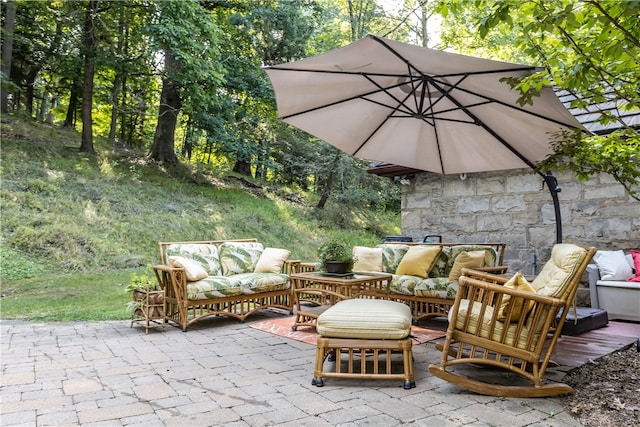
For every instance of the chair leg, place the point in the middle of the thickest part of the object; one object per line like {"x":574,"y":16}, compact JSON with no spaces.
{"x":321,"y":351}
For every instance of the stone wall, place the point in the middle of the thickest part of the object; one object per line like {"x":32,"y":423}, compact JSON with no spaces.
{"x":514,"y":207}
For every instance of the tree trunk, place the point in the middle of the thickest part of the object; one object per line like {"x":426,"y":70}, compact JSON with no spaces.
{"x":117,"y":81}
{"x":163,"y":148}
{"x":242,"y":167}
{"x":7,"y":51}
{"x":72,"y":109}
{"x":90,"y":44}
{"x":328,"y":186}
{"x":29,"y":93}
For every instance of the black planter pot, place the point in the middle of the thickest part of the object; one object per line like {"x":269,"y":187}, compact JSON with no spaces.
{"x":336,"y":267}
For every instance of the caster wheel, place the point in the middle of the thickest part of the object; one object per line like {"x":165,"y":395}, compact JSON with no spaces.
{"x":317,"y":382}
{"x":294,"y":328}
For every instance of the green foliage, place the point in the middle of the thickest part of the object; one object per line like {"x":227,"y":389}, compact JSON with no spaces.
{"x":589,"y":48}
{"x":617,"y":154}
{"x":75,"y":227}
{"x":146,"y":281}
{"x":60,"y":297}
{"x":14,"y":265}
{"x":335,"y":250}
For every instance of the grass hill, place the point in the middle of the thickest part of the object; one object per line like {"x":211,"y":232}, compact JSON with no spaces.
{"x":76,"y":226}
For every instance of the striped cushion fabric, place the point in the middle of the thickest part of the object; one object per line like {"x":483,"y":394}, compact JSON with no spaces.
{"x":365,"y":319}
{"x":522,"y":338}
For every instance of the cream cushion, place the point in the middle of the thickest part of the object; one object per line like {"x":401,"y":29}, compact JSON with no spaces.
{"x":473,"y":259}
{"x":272,"y":260}
{"x":367,"y":259}
{"x":613,"y":265}
{"x":365,"y":319}
{"x":521,"y":307}
{"x":418,"y":261}
{"x":489,"y":329}
{"x":557,"y":272}
{"x":192,"y":269}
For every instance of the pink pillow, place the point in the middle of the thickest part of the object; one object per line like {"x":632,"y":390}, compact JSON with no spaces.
{"x":636,"y":266}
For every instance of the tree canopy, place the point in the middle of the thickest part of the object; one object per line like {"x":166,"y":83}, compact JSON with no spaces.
{"x":182,"y":80}
{"x":590,"y":49}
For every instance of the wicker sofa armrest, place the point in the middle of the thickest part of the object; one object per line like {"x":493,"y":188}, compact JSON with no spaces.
{"x":173,"y":280}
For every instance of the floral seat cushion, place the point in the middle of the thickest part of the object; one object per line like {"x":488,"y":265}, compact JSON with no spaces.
{"x":436,"y":287}
{"x":238,"y":284}
{"x":404,"y":284}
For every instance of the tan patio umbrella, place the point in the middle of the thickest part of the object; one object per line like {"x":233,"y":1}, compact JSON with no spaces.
{"x":435,"y":111}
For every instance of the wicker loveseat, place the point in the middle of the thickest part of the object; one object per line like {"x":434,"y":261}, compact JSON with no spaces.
{"x":425,"y":274}
{"x":222,"y":277}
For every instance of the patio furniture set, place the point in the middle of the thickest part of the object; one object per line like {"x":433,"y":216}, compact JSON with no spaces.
{"x":494,"y":319}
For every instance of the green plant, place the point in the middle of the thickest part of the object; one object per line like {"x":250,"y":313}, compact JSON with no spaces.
{"x":143,"y":282}
{"x":335,"y":250}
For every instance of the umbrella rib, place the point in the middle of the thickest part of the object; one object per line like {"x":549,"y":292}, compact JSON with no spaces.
{"x":489,"y":130}
{"x":496,"y":101}
{"x":401,"y":103}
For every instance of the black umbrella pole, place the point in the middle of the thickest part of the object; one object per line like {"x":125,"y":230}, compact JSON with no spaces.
{"x":554,"y":189}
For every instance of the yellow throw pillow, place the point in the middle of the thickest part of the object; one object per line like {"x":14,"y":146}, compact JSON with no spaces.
{"x":472,"y":259}
{"x":367,"y":259}
{"x":522,"y":307}
{"x":192,"y":269}
{"x":272,"y":260}
{"x":418,"y":261}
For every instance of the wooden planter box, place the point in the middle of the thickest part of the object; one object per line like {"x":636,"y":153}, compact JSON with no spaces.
{"x":150,"y":308}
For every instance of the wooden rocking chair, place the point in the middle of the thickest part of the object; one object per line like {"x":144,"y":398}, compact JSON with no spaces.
{"x":495,"y":323}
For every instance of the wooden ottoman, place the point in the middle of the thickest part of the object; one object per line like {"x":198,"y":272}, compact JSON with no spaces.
{"x":364,"y":329}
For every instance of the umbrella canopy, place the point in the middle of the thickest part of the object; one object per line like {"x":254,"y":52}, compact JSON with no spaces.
{"x":380,"y":99}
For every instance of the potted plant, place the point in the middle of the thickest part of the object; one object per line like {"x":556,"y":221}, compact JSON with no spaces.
{"x":335,"y":257}
{"x":146,"y":296}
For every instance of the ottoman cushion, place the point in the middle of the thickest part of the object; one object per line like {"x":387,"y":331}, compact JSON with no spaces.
{"x":365,"y":319}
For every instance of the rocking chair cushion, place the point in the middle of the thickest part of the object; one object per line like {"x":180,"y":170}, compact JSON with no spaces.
{"x":558,"y":271}
{"x":521,"y":307}
{"x":486,"y":326}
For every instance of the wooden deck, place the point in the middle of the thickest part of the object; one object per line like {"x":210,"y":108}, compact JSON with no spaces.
{"x":577,"y":350}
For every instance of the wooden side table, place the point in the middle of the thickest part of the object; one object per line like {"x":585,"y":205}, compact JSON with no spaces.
{"x":314,"y":292}
{"x":151,"y":310}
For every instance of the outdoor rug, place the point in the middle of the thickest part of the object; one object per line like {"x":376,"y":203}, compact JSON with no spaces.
{"x":282,"y":327}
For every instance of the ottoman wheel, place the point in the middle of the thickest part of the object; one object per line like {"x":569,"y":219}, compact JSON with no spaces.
{"x":317,"y":382}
